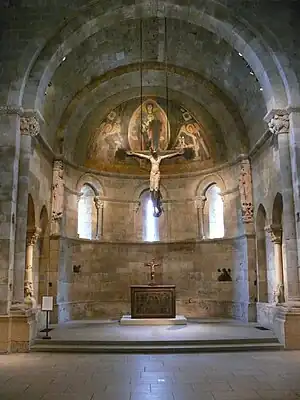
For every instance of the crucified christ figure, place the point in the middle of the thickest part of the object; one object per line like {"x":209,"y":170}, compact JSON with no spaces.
{"x":155,"y":160}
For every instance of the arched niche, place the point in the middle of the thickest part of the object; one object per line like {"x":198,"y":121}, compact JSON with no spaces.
{"x":30,"y":213}
{"x":87,"y":213}
{"x":261,"y":255}
{"x":277,"y":238}
{"x":160,"y":224}
{"x":277,"y":210}
{"x":150,"y":223}
{"x":41,"y":275}
{"x":211,"y":207}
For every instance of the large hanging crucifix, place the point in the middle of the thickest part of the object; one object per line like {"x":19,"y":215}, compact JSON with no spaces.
{"x":155,"y":160}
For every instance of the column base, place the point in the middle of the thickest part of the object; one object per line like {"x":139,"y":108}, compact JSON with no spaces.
{"x":17,"y":329}
{"x":287,"y":325}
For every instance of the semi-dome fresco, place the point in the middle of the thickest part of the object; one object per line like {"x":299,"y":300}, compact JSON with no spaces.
{"x":143,"y":125}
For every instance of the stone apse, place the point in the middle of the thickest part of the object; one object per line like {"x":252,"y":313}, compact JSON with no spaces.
{"x":75,"y":220}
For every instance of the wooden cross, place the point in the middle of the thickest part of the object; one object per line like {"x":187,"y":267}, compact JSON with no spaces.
{"x":152,"y":264}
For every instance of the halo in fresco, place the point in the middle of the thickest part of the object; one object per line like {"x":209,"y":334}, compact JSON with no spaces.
{"x":149,"y":127}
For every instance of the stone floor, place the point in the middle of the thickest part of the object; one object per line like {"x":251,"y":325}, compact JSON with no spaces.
{"x":194,"y":330}
{"x":225,"y":376}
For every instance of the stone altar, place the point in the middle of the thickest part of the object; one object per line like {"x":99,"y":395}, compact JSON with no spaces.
{"x":153,"y":301}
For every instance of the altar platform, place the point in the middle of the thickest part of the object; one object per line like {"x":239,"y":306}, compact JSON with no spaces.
{"x":107,"y":336}
{"x":128,"y":320}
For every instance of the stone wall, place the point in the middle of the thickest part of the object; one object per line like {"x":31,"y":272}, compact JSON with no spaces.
{"x":122,"y":216}
{"x":102,"y":287}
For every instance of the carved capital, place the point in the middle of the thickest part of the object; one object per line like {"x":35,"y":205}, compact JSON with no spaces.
{"x":279,"y":124}
{"x":58,"y":165}
{"x":136,"y":206}
{"x":99,"y":204}
{"x":32,"y":236}
{"x":29,"y":126}
{"x":275,"y":232}
{"x":199,"y":202}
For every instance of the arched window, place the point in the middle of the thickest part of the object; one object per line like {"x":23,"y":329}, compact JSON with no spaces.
{"x":150,"y":223}
{"x":86,"y":212}
{"x":215,"y":212}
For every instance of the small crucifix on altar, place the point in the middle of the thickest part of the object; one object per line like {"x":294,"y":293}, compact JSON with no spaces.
{"x":152,"y":264}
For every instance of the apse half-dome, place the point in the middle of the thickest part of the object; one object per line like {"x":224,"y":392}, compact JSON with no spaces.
{"x":140,"y":126}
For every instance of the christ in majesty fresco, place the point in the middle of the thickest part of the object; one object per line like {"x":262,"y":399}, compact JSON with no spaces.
{"x":148,"y":128}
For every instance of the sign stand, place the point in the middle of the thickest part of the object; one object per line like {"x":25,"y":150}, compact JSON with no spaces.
{"x":47,"y":305}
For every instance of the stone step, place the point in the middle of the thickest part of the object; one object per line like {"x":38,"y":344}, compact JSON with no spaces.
{"x":237,"y":341}
{"x":153,"y":348}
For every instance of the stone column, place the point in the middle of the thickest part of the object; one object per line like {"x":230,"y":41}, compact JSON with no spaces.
{"x":279,"y":126}
{"x":99,"y":206}
{"x":29,"y":127}
{"x":199,"y":205}
{"x":276,"y":238}
{"x":294,"y":142}
{"x":32,"y":237}
{"x":9,"y":155}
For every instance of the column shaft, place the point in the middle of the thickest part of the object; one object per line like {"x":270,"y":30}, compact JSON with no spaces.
{"x":21,"y":220}
{"x":289,"y":228}
{"x":9,"y":159}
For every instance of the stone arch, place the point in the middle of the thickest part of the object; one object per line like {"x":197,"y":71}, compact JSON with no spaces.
{"x":205,"y":210}
{"x":93,"y":182}
{"x":235,"y":32}
{"x":32,"y":234}
{"x":142,"y":187}
{"x":261,"y":255}
{"x":209,"y":180}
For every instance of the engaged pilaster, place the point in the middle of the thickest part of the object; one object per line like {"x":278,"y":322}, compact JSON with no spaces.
{"x":279,"y":126}
{"x":29,"y":128}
